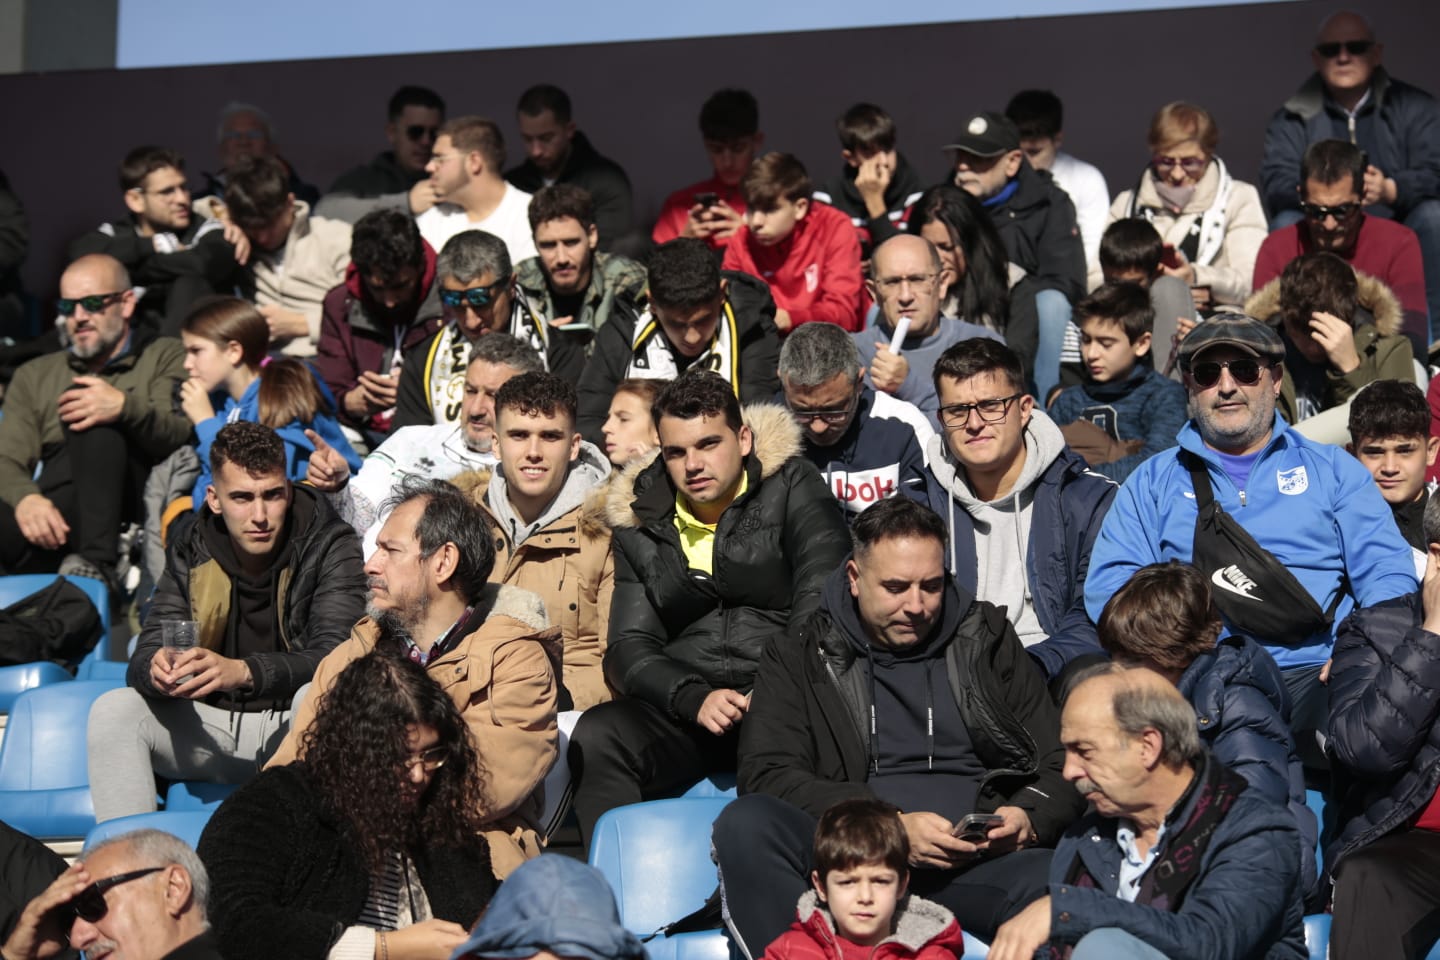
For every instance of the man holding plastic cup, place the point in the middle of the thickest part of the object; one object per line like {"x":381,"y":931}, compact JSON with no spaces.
{"x":273,"y":580}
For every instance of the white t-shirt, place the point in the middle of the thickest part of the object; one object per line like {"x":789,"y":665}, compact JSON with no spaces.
{"x":1091,"y":195}
{"x":510,"y":221}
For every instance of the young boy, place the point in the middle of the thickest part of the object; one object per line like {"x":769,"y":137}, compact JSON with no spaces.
{"x":877,"y":185}
{"x":1124,"y":411}
{"x":713,"y":210}
{"x":807,"y":252}
{"x":1040,"y":117}
{"x":859,"y":902}
{"x":1390,"y":434}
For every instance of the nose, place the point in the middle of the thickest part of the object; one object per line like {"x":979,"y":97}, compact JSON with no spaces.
{"x":83,"y":933}
{"x":1390,"y":464}
{"x":432,"y":166}
{"x":415,"y":772}
{"x":866,"y":893}
{"x":914,"y":601}
{"x":372,"y":565}
{"x":692,"y":336}
{"x":818,"y":426}
{"x":1071,"y":771}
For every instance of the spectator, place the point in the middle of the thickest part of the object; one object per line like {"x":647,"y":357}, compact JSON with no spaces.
{"x":867,"y":445}
{"x":273,"y":578}
{"x":958,"y":720}
{"x":1175,"y":858}
{"x":83,"y":427}
{"x":157,"y":911}
{"x":1124,"y":412}
{"x":388,"y":304}
{"x":861,"y":898}
{"x":245,"y":133}
{"x":1394,"y":125}
{"x":396,"y":178}
{"x":629,"y":430}
{"x":1390,"y":435}
{"x":469,"y":192}
{"x":1212,"y":224}
{"x":296,"y":258}
{"x":1164,"y":619}
{"x":1021,"y":507}
{"x":569,"y":289}
{"x":909,"y":283}
{"x":1131,"y":251}
{"x":1332,"y":183}
{"x":1040,"y":117}
{"x":1341,"y":331}
{"x":877,"y":184}
{"x":1384,"y":696}
{"x":225,"y":341}
{"x":720,"y":547}
{"x":173,"y":255}
{"x":808,"y":253}
{"x":433,"y":451}
{"x":556,"y":153}
{"x":309,"y":860}
{"x":698,"y":317}
{"x":1326,"y":543}
{"x":714,"y":209}
{"x":488,"y":645}
{"x":550,"y":539}
{"x":1036,"y":222}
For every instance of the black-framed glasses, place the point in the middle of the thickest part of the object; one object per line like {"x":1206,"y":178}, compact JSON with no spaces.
{"x":1245,"y":371}
{"x":476,"y":297}
{"x":418,"y":132}
{"x":990,"y":411}
{"x":833,"y":417}
{"x":1356,"y":48}
{"x":1318,"y":212}
{"x":429,"y":759}
{"x":92,"y":304}
{"x":1191,"y":165}
{"x":89,"y":904}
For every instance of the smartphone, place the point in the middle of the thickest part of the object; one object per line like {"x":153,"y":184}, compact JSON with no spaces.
{"x":1170,"y":257}
{"x":707,"y":199}
{"x":976,"y":827}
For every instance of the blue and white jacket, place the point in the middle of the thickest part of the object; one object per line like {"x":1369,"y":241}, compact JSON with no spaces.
{"x":881,"y":452}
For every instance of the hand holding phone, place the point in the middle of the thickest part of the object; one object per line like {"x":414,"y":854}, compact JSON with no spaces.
{"x":975,"y":827}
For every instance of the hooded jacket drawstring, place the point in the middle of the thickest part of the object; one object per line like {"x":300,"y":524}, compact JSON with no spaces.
{"x":929,"y":715}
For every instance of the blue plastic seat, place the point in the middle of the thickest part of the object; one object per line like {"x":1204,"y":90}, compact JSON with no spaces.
{"x":93,"y":668}
{"x":1317,"y":934}
{"x":714,"y":785}
{"x":1315,"y":800}
{"x":185,"y":824}
{"x":193,"y":795}
{"x":44,"y":783}
{"x":27,"y":676}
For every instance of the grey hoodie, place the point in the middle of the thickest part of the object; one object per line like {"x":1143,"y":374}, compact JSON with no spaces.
{"x":587,"y":472}
{"x":1002,"y":527}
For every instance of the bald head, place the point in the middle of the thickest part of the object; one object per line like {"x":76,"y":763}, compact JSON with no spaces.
{"x":1344,"y":24}
{"x":907,"y":280}
{"x":100,"y":267}
{"x":902,"y":243}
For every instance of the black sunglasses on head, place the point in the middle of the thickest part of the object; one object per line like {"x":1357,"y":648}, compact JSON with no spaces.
{"x":1245,"y":371}
{"x":1356,"y":48}
{"x":89,"y":904}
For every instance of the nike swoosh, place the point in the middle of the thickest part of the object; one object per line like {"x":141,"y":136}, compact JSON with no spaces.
{"x":1224,"y":584}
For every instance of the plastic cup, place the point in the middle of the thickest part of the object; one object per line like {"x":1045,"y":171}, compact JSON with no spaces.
{"x":178,"y":636}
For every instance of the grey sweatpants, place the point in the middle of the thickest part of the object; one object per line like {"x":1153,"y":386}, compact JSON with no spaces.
{"x":131,"y":738}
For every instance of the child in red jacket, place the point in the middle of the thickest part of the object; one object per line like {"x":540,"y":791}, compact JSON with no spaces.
{"x":859,"y":909}
{"x":807,"y":252}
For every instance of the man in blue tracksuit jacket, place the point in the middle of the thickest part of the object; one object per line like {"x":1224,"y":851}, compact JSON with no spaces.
{"x":1311,"y":505}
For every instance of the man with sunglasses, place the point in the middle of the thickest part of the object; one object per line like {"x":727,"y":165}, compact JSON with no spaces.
{"x":94,"y":419}
{"x":866,"y":444}
{"x":1332,"y":185}
{"x":140,"y":896}
{"x":1312,"y":506}
{"x":1352,"y":97}
{"x":396,"y":178}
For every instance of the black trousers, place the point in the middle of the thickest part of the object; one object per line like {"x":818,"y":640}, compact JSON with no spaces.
{"x":1387,"y":899}
{"x":764,"y":847}
{"x":1309,"y":714}
{"x":626,"y":751}
{"x":95,"y":480}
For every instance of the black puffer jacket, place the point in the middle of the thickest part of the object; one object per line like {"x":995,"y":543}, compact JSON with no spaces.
{"x":1037,"y":226}
{"x":284,"y":882}
{"x":1384,"y":735}
{"x":676,"y":633}
{"x":802,"y":739}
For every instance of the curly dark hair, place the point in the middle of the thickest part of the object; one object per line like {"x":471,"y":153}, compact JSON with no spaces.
{"x":537,"y":393}
{"x":359,"y":738}
{"x":384,"y":242}
{"x":253,"y":447}
{"x":560,"y":201}
{"x":698,"y":393}
{"x":683,"y":274}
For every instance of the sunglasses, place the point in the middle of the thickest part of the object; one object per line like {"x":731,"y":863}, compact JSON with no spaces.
{"x":418,"y":131}
{"x":1317,"y":212}
{"x":1188,"y":164}
{"x":476,"y":297}
{"x":1246,"y":372}
{"x":89,"y":904}
{"x":92,"y":304}
{"x":1356,"y":48}
{"x":991,"y":411}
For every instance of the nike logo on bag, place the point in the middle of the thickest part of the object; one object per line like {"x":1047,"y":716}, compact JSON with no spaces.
{"x":1232,"y":578}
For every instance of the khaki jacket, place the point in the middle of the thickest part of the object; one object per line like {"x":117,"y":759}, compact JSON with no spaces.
{"x":502,"y":679}
{"x":569,"y":565}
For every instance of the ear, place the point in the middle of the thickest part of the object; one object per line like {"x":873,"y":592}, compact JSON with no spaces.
{"x":1152,"y":744}
{"x":943,"y":284}
{"x":1277,"y":373}
{"x":1027,"y":407}
{"x":747,"y":440}
{"x":1141,"y":346}
{"x":1432,"y":447}
{"x":802,"y":207}
{"x":1059,"y":139}
{"x":233,"y":352}
{"x":212,"y":499}
{"x":592,"y":237}
{"x":852,"y":573}
{"x":444,"y":562}
{"x":128,"y":303}
{"x":904,"y":887}
{"x":570,"y":130}
{"x":819,"y":887}
{"x":135,"y":201}
{"x":474,"y":163}
{"x":724,"y":288}
{"x":575,"y":448}
{"x":1013,"y":159}
{"x":179,"y":891}
{"x":850,"y":158}
{"x":874,"y":290}
{"x":392,"y":133}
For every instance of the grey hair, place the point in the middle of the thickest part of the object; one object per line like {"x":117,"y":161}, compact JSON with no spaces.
{"x":161,"y":849}
{"x":450,"y":517}
{"x":1431,"y":521}
{"x":817,"y":352}
{"x":235,"y":107}
{"x":1139,"y":706}
{"x":505,"y":350}
{"x":472,"y":254}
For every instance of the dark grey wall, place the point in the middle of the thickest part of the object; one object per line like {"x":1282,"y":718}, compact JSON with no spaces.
{"x":65,"y":133}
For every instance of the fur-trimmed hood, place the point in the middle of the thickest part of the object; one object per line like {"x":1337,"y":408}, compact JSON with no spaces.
{"x":1372,"y":295}
{"x":919,"y":922}
{"x":777,"y":438}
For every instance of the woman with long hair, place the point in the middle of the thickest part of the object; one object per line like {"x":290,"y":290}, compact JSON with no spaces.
{"x":972,"y":253}
{"x":369,"y":846}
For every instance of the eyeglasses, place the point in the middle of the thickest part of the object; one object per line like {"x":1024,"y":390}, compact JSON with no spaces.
{"x":832,"y":417}
{"x":1340,"y":211}
{"x":1191,"y":165}
{"x":89,"y":904}
{"x":418,"y":131}
{"x":476,"y":297}
{"x":1245,"y":371}
{"x":429,"y":760}
{"x":1356,"y":48}
{"x":92,"y":304}
{"x":893,"y":285}
{"x":991,"y":411}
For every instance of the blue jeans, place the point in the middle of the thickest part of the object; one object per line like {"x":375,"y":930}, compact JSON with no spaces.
{"x":1111,"y":943}
{"x":1054,"y":313}
{"x":1424,"y":219}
